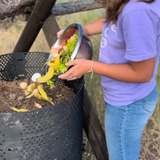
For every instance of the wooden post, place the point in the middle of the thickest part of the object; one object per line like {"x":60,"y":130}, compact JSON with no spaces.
{"x":50,"y":29}
{"x":40,"y":14}
{"x":91,"y":123}
{"x":94,"y":130}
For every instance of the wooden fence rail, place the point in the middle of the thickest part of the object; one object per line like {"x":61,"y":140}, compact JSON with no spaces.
{"x":12,"y":8}
{"x":73,"y":7}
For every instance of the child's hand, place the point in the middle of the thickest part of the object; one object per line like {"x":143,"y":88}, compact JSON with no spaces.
{"x":58,"y":35}
{"x":78,"y":69}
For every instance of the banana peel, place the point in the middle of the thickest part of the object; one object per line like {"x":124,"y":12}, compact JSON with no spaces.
{"x":38,"y":96}
{"x":57,"y":61}
{"x":30,"y":88}
{"x":49,"y":63}
{"x":37,"y":105}
{"x":43,"y":93}
{"x":53,"y":66}
{"x":35,"y":91}
{"x":18,"y":110}
{"x":49,"y":74}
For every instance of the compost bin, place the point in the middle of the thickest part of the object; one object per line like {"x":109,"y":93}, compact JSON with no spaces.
{"x":50,"y":133}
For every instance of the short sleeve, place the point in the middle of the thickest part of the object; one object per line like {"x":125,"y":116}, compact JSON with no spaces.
{"x":140,"y":34}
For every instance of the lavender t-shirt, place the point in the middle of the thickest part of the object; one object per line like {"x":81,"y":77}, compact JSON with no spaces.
{"x":135,"y":37}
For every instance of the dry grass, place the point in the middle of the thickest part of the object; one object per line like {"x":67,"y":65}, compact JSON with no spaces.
{"x":151,"y":135}
{"x":10,"y":36}
{"x":150,"y":147}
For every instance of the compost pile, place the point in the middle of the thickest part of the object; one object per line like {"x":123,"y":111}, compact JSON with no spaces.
{"x":11,"y":95}
{"x":41,"y":90}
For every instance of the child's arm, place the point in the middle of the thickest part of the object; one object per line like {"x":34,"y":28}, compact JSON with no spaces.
{"x":89,"y":29}
{"x":136,"y":72}
{"x":94,"y":27}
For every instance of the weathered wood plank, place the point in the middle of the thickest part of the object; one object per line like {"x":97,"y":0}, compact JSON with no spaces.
{"x":73,"y":7}
{"x":94,"y":130}
{"x":26,"y":6}
{"x":91,"y":124}
{"x":50,"y":29}
{"x":10,"y":8}
{"x":39,"y":15}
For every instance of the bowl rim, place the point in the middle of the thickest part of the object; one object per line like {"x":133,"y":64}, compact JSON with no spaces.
{"x":80,"y":35}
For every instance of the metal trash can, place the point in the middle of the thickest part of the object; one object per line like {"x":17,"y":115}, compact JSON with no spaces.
{"x":51,"y":133}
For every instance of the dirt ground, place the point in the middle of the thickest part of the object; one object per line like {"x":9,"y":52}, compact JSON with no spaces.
{"x":11,"y":95}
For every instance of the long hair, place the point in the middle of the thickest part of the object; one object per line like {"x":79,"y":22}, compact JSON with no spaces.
{"x":114,"y":7}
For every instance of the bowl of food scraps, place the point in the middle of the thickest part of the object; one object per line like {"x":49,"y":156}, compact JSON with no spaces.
{"x":73,"y":43}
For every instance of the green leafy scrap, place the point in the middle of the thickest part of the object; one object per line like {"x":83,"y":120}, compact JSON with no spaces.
{"x":71,"y":44}
{"x":50,"y":83}
{"x":76,"y":36}
{"x":62,"y":67}
{"x":64,"y":58}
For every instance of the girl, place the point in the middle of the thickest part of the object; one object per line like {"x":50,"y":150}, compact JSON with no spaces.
{"x":128,"y":62}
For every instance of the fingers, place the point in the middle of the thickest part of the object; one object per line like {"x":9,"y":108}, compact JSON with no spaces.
{"x":71,"y":74}
{"x":78,"y":69}
{"x":71,"y":63}
{"x":59,"y":33}
{"x":72,"y":78}
{"x":52,"y":46}
{"x":69,"y":77}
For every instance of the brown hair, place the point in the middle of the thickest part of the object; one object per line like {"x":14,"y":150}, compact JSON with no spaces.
{"x":114,"y":7}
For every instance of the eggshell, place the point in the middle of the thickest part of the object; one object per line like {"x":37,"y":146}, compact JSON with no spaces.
{"x":54,"y":56}
{"x":35,"y":76}
{"x":23,"y":85}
